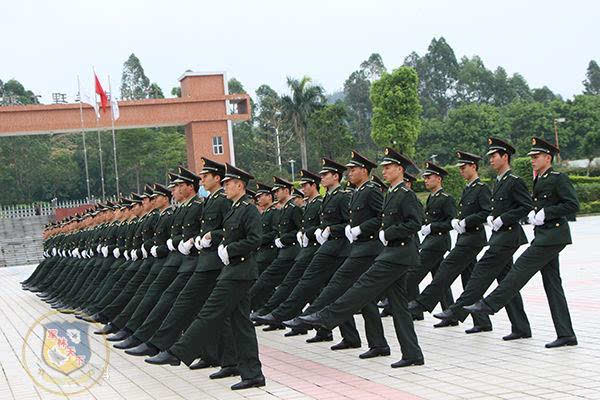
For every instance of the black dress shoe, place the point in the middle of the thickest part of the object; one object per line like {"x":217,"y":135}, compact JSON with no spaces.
{"x":343,"y":345}
{"x":225,"y":372}
{"x":383,"y":303}
{"x":418,"y":317}
{"x":201,"y":364}
{"x":313,"y":320}
{"x":385,"y":313}
{"x":256,"y":323}
{"x":296,"y":332}
{"x":143,"y":349}
{"x":477,"y":329}
{"x":562,"y":341}
{"x":128,"y":343}
{"x":249,"y":383}
{"x":516,"y":335}
{"x":480,"y":307}
{"x":407,"y":363}
{"x":375,"y":352}
{"x":446,"y":314}
{"x":267,"y":319}
{"x":320,"y":337}
{"x":253,"y":316}
{"x":65,"y":310}
{"x":119,"y":336}
{"x":42,"y":294}
{"x":108,"y":328}
{"x":445,"y":323}
{"x":58,"y":305}
{"x":163,"y":358}
{"x":295,"y":323}
{"x":415,"y":307}
{"x":99,"y":317}
{"x":270,"y":328}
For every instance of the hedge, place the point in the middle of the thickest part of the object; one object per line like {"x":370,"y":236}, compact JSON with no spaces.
{"x":593,"y":207}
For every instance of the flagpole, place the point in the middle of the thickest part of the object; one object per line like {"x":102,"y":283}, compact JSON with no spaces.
{"x":85,"y":160}
{"x":99,"y":147}
{"x":112,"y":120}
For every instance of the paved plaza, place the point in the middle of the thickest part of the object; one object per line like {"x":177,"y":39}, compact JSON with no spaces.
{"x":458,"y":366}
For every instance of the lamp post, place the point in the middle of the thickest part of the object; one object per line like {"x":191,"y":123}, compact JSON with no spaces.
{"x":556,"y":122}
{"x":433,"y":156}
{"x":292,"y":165}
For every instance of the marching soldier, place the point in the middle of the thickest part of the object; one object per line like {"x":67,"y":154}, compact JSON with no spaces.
{"x":333,"y":250}
{"x":401,"y":221}
{"x":229,"y":299}
{"x":439,"y":211}
{"x":267,"y":251}
{"x":474,"y":208}
{"x":554,"y":199}
{"x":510,"y":202}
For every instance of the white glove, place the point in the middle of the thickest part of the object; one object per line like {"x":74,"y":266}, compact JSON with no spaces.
{"x":170,"y":245}
{"x":116,"y":252}
{"x":304,"y":240}
{"x":53,"y":251}
{"x":355,"y":232}
{"x":382,"y":238}
{"x":425,"y":230}
{"x":197,"y":243}
{"x":84,"y":254}
{"x":75,"y":253}
{"x":98,"y":248}
{"x":299,"y":238}
{"x":222,"y":251}
{"x":490,"y":221}
{"x":348,"y":233}
{"x":318,"y":236}
{"x":135,"y":256}
{"x":540,"y":217}
{"x":126,"y":254}
{"x":278,"y":243}
{"x":153,"y":251}
{"x":458,"y":225}
{"x":325,"y":234}
{"x":185,"y":247}
{"x":497,"y":224}
{"x":104,"y":251}
{"x":531,"y":218}
{"x":206,"y":241}
{"x":144,"y":252}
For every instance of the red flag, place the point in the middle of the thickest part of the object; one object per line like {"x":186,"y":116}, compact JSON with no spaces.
{"x":101,"y":93}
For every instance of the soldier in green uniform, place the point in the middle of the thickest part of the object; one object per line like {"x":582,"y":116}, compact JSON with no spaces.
{"x":365,"y":220}
{"x":169,"y":282}
{"x":474,"y":208}
{"x":308,"y":247}
{"x":401,"y":221}
{"x":333,"y":250}
{"x":510,"y":202}
{"x":439,"y":211}
{"x":288,"y":224}
{"x":230,"y":297}
{"x":267,"y":252}
{"x":554,"y":199}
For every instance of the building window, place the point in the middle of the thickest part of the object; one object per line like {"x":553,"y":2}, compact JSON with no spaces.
{"x":217,"y":142}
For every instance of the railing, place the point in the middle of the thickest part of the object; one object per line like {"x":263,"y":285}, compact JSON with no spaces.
{"x":35,"y":209}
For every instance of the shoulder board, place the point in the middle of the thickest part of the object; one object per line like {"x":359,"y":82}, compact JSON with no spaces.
{"x":199,"y":202}
{"x":405,"y":189}
{"x":555,"y":173}
{"x":513,"y":176}
{"x":480,"y":183}
{"x":444,"y":194}
{"x":244,"y":202}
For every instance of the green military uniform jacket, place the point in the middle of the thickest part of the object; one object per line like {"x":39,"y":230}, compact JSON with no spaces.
{"x":267,"y":250}
{"x":474,"y":208}
{"x":183,"y":224}
{"x":310,"y":223}
{"x":554,"y":193}
{"x":401,"y":220}
{"x":289,"y":223}
{"x":216,"y":206}
{"x":439,"y":211}
{"x":162,"y":233}
{"x":241,"y":238}
{"x":511,"y":202}
{"x":335,"y":215}
{"x":366,"y":203}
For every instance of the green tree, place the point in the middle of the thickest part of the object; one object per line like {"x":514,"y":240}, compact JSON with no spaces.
{"x":329,"y":134}
{"x":155,"y":92}
{"x":590,"y":146}
{"x":135,"y":84}
{"x":12,"y":92}
{"x":592,"y":81}
{"x":475,"y":82}
{"x":396,"y":118}
{"x":304,"y":99}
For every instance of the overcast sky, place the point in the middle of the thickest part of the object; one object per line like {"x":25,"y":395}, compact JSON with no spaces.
{"x":46,"y":44}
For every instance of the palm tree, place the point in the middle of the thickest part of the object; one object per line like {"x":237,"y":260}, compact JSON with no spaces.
{"x":298,"y":106}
